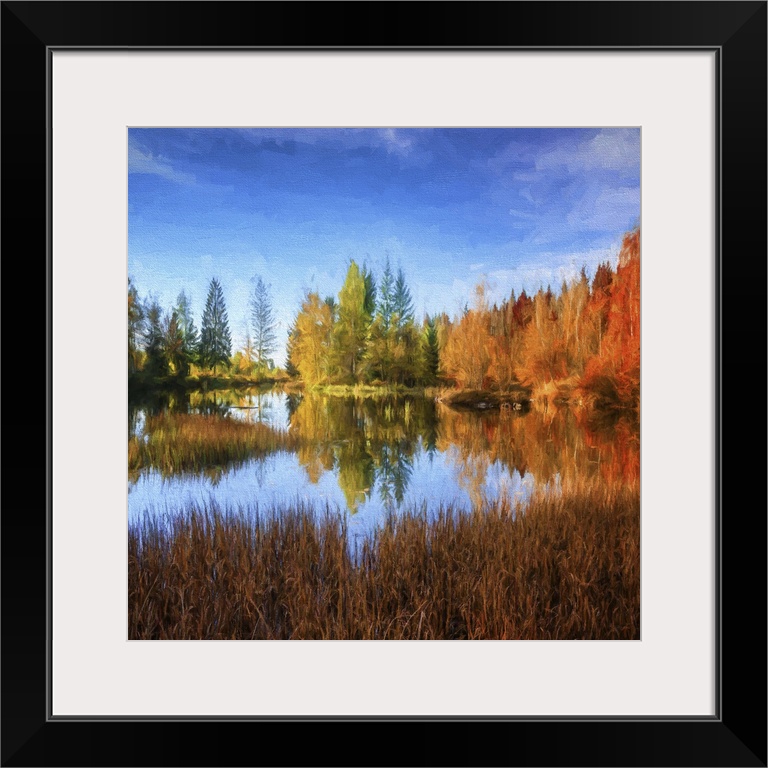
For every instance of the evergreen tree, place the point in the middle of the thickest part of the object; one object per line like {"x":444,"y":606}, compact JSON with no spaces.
{"x":333,"y":305}
{"x":402,"y":304}
{"x":173,"y":345}
{"x":385,"y":305}
{"x":370,"y":291}
{"x":431,"y":350}
{"x":215,"y":338}
{"x":262,"y":322}
{"x":188,"y":328}
{"x":290,"y":364}
{"x":154,"y":340}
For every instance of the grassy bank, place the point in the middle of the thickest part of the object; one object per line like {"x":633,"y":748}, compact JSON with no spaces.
{"x":568,"y":568}
{"x":367,"y":390}
{"x":139,"y":383}
{"x":484,"y":398}
{"x":176,"y":442}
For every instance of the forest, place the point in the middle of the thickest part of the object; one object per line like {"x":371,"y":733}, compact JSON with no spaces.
{"x":578,"y":344}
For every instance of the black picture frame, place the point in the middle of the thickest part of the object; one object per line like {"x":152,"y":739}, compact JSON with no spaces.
{"x":737,"y":734}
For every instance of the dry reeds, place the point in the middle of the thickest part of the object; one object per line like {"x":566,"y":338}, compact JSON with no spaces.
{"x":175,"y":442}
{"x":566,"y":567}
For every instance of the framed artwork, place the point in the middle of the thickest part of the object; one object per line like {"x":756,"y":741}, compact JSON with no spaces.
{"x":423,"y":344}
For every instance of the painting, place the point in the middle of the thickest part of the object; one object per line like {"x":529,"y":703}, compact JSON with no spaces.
{"x":383,"y":383}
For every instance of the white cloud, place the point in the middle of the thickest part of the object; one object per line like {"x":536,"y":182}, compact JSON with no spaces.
{"x":548,"y":269}
{"x":609,"y":210}
{"x":398,"y":144}
{"x":613,"y":149}
{"x":146,"y":162}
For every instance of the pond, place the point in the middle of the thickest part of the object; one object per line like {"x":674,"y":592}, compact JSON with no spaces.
{"x":374,"y":456}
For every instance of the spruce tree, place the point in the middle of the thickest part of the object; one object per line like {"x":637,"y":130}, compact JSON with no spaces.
{"x":402,"y":303}
{"x":215,"y":338}
{"x":386,"y":296}
{"x":154,"y":340}
{"x":188,"y":327}
{"x":431,"y":350}
{"x":262,"y":322}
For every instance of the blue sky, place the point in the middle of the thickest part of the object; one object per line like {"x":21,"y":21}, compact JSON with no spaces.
{"x":515,"y":208}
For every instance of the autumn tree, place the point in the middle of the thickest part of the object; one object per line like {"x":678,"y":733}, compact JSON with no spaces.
{"x":215,"y":338}
{"x":466,"y":357}
{"x":615,"y":374}
{"x":543,"y":354}
{"x":244,"y":359}
{"x":351,"y":330}
{"x":311,"y":340}
{"x":599,"y":306}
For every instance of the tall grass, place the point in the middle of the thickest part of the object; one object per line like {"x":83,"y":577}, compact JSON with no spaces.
{"x":175,"y":442}
{"x":367,"y":390}
{"x":568,"y":567}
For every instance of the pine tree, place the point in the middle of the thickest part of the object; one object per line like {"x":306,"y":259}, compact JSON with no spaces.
{"x":370,"y":291}
{"x":402,"y":303}
{"x":290,"y":363}
{"x":431,"y":351}
{"x":262,"y":322}
{"x":386,"y":297}
{"x":188,"y":327}
{"x":154,"y":340}
{"x":215,"y":338}
{"x":173,"y":341}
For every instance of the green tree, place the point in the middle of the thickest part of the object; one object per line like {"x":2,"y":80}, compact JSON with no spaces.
{"x":385,"y":304}
{"x":215,"y":338}
{"x":430,"y":350}
{"x":188,"y":328}
{"x":135,"y":327}
{"x":402,"y":304}
{"x":369,"y":303}
{"x":263,"y":323}
{"x":156,"y":363}
{"x":173,"y":345}
{"x":405,"y":346}
{"x":290,"y":363}
{"x":351,"y":329}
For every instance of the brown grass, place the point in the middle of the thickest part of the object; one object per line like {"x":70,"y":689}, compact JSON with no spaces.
{"x":184,"y":442}
{"x":566,"y":568}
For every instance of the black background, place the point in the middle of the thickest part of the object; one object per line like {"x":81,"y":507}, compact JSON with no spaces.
{"x":738,"y":736}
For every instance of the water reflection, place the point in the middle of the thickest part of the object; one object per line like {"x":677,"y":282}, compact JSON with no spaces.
{"x":375,"y":456}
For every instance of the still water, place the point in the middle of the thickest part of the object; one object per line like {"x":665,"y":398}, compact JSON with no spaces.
{"x":371,"y":457}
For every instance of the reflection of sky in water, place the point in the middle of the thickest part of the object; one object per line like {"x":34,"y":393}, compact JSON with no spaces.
{"x":279,"y":480}
{"x":370,"y":457}
{"x":267,"y":408}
